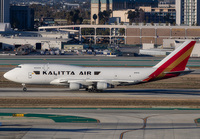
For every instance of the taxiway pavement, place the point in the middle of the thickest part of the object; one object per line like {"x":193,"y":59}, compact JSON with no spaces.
{"x":114,"y":124}
{"x":89,"y":61}
{"x":111,"y":93}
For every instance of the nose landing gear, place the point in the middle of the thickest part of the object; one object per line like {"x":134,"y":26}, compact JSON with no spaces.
{"x":24,"y":87}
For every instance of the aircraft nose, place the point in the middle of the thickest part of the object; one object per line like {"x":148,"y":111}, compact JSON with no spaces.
{"x":7,"y":76}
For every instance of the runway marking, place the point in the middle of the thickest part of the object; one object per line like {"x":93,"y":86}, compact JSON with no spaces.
{"x":197,"y":122}
{"x":142,"y":128}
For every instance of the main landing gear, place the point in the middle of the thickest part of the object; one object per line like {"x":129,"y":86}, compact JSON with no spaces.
{"x":24,"y":87}
{"x":93,"y":89}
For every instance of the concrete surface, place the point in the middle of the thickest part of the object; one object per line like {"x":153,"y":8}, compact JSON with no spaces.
{"x":114,"y":124}
{"x":111,"y":93}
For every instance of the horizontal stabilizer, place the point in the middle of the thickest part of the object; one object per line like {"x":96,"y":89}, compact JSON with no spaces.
{"x":180,"y":72}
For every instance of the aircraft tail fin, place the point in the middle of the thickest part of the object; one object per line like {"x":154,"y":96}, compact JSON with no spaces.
{"x":174,"y":62}
{"x":178,"y":59}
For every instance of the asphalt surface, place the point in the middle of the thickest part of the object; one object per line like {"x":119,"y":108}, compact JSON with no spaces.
{"x":114,"y":124}
{"x":111,"y":93}
{"x":89,"y":60}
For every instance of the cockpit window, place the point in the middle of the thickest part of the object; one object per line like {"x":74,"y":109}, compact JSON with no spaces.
{"x":37,"y":72}
{"x":19,"y":67}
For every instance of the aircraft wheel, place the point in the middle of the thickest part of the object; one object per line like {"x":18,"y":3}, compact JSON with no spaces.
{"x":99,"y":91}
{"x":24,"y":89}
{"x":89,"y":90}
{"x":92,"y":90}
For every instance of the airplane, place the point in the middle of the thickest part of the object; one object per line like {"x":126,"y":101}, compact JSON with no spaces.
{"x":94,"y":79}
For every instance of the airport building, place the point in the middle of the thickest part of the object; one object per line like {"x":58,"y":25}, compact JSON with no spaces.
{"x":162,"y":14}
{"x":188,"y":12}
{"x":113,"y":5}
{"x":155,"y":34}
{"x":22,"y":17}
{"x":5,"y":27}
{"x":4,"y":11}
{"x":134,"y":34}
{"x":39,"y":43}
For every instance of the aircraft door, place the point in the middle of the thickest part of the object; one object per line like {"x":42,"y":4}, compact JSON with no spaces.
{"x":30,"y":75}
{"x":45,"y":78}
{"x":46,"y":67}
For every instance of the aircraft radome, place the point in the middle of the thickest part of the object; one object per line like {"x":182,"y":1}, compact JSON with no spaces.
{"x":101,"y":78}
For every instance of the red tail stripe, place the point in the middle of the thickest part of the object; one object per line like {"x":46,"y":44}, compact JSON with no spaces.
{"x":181,"y":66}
{"x":170,"y":75}
{"x":172,"y":59}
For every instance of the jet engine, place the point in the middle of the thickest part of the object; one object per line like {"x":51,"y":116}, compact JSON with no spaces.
{"x":103,"y":86}
{"x":74,"y":86}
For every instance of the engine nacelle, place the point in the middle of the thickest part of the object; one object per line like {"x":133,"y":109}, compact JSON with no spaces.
{"x":103,"y":86}
{"x":74,"y":86}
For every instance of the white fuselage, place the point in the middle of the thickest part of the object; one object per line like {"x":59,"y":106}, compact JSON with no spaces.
{"x":55,"y":74}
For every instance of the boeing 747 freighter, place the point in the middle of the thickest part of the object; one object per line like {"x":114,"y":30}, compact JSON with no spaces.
{"x":101,"y":78}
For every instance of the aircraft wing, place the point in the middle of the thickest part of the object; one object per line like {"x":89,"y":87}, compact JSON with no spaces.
{"x":90,"y":82}
{"x":113,"y":82}
{"x":59,"y":81}
{"x":65,"y":81}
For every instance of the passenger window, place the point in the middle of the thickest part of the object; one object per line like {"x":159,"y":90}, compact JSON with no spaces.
{"x":19,"y":67}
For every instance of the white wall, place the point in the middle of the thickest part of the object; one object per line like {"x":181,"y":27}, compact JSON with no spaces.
{"x":46,"y":44}
{"x":178,"y":12}
{"x":146,"y":46}
{"x":55,"y":35}
{"x":170,"y":43}
{"x":196,"y":50}
{"x":122,"y":14}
